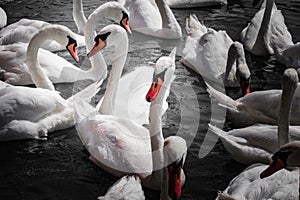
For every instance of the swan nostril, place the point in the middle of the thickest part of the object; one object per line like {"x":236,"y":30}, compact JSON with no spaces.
{"x":149,"y":99}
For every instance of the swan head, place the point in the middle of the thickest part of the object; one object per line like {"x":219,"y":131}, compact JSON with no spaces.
{"x":162,"y":76}
{"x":108,"y":36}
{"x":112,"y":10}
{"x":63,"y":35}
{"x":287,"y":156}
{"x":175,"y":150}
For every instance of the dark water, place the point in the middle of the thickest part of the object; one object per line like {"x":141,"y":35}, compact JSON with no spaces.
{"x":59,"y":168}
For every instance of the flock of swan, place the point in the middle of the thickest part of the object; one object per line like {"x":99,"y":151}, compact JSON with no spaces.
{"x":115,"y":133}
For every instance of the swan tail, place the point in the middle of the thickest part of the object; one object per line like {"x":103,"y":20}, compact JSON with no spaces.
{"x":222,"y":99}
{"x":194,"y":27}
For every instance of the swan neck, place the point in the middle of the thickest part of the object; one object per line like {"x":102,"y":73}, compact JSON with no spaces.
{"x":37,"y":73}
{"x":168,"y":19}
{"x":266,"y":19}
{"x":78,"y":16}
{"x":288,"y":91}
{"x":109,"y":97}
{"x":157,"y":139}
{"x":98,"y":63}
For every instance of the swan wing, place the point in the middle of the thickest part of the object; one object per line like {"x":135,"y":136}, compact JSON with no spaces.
{"x":117,"y":144}
{"x":128,"y":187}
{"x":248,"y":184}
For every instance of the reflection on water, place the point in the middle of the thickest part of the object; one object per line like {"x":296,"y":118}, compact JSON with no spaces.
{"x":60,"y":169}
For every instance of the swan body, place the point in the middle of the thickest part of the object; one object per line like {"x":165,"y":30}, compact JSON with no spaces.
{"x":153,"y":18}
{"x":266,"y":31}
{"x":24,"y":29}
{"x":256,"y":143}
{"x":31,"y":113}
{"x":127,"y":188}
{"x":214,"y":55}
{"x":194,"y":3}
{"x":251,"y":108}
{"x":3,"y":18}
{"x":248,"y":185}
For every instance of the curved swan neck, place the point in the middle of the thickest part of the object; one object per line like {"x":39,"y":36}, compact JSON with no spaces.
{"x":168,"y":19}
{"x":78,"y":16}
{"x":107,"y":106}
{"x":289,"y":85}
{"x":97,"y":61}
{"x":37,"y":73}
{"x":236,"y":62}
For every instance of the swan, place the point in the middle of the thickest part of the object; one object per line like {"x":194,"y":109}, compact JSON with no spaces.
{"x":24,"y":29}
{"x":33,"y":112}
{"x":57,"y":69}
{"x":257,"y":142}
{"x":248,"y":185}
{"x":286,"y":157}
{"x":266,"y":31}
{"x":3,"y":18}
{"x":125,"y":97}
{"x":127,"y":188}
{"x":119,"y":145}
{"x":195,"y":3}
{"x":215,"y":56}
{"x":153,"y":17}
{"x":16,"y":59}
{"x":252,"y":108}
{"x":116,"y":12}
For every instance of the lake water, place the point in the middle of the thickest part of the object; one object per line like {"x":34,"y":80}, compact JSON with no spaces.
{"x":59,"y":168}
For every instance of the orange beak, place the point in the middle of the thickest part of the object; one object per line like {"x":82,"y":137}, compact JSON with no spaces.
{"x":174,"y":182}
{"x":275,"y":166}
{"x":154,"y":89}
{"x":97,"y":47}
{"x":245,"y":86}
{"x":72,"y":50}
{"x":124,"y":24}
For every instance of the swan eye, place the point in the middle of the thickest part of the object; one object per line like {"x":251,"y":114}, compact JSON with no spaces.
{"x":102,"y":37}
{"x":113,"y":138}
{"x":71,"y":41}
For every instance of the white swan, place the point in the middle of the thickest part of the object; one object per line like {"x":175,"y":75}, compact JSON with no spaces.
{"x":195,"y":3}
{"x":127,"y":188}
{"x":252,"y":108}
{"x":257,"y":142}
{"x":12,"y":57}
{"x":119,"y":145}
{"x":24,"y":29}
{"x":125,"y":97}
{"x":248,"y":185}
{"x":266,"y":31}
{"x":153,"y":17}
{"x":3,"y":18}
{"x":286,"y":157}
{"x":16,"y":59}
{"x":116,"y":12}
{"x":215,"y":56}
{"x":33,"y":112}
